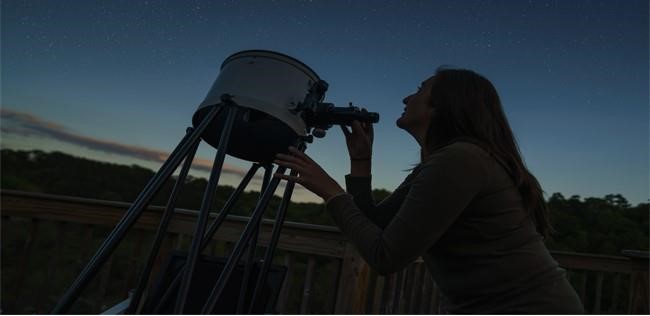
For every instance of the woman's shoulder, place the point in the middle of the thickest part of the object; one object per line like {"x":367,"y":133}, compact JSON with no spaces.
{"x":457,"y":157}
{"x":459,"y":149}
{"x":467,"y":146}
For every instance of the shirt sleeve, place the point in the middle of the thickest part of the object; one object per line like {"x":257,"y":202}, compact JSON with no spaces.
{"x":438,"y":194}
{"x":361,"y":191}
{"x":379,"y":213}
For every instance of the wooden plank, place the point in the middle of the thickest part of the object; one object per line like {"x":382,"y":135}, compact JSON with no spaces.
{"x":333,"y":286}
{"x":630,"y":299}
{"x":306,"y":290}
{"x":291,"y":239}
{"x":435,"y":300}
{"x":86,"y":250}
{"x":167,"y":246}
{"x":371,"y":289}
{"x":213,"y":248}
{"x":297,"y":237}
{"x":24,"y":261}
{"x":135,"y":260}
{"x":397,"y":295}
{"x":426,"y":293}
{"x":599,"y":293}
{"x":614,"y":305}
{"x":52,"y":263}
{"x":408,"y":289}
{"x":418,"y":287}
{"x":103,"y":285}
{"x":592,"y":262}
{"x":178,"y":242}
{"x":386,"y":294}
{"x":376,"y":306}
{"x":352,"y":282}
{"x":286,"y":286}
{"x":48,"y":200}
{"x":638,"y":303}
{"x":582,"y":287}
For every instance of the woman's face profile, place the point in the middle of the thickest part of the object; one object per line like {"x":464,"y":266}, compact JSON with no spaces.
{"x":417,"y":111}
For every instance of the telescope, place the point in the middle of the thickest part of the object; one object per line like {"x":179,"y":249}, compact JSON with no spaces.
{"x":282,"y":101}
{"x":261,"y":103}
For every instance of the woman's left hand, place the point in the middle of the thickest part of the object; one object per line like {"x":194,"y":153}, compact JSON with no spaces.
{"x":310,"y":174}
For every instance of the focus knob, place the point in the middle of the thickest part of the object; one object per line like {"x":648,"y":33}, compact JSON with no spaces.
{"x":318,"y":132}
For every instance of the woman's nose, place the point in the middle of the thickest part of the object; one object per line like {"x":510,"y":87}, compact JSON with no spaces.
{"x":406,"y":100}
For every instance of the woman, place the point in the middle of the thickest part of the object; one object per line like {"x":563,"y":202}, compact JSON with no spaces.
{"x":471,"y":208}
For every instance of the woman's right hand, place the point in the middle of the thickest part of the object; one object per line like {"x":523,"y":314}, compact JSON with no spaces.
{"x":359,"y":140}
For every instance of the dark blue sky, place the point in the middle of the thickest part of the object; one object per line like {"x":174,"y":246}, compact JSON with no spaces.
{"x":119,"y":80}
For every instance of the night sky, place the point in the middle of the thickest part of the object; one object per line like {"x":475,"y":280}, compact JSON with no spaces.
{"x":118,"y":81}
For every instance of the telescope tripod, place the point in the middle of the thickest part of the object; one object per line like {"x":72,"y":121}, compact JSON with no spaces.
{"x":203,"y":233}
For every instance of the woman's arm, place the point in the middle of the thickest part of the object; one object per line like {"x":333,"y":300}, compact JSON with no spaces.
{"x":358,"y":184}
{"x":359,"y":142}
{"x":437,"y":195}
{"x":379,"y":213}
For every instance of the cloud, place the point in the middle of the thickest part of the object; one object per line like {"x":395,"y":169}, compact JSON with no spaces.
{"x":26,"y":124}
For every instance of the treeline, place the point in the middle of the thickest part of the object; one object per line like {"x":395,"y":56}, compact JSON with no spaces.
{"x":594,"y":225}
{"x":598,"y":225}
{"x":62,"y":174}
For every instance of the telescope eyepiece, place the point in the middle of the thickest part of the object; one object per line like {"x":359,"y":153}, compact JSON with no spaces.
{"x":326,"y":115}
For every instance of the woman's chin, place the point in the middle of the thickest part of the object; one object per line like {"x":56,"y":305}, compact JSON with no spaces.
{"x":400,"y":122}
{"x":397,"y":123}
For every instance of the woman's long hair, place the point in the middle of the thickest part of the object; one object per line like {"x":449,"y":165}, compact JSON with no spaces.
{"x":467,"y":106}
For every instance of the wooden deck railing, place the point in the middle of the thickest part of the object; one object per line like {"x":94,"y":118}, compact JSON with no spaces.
{"x":47,"y":239}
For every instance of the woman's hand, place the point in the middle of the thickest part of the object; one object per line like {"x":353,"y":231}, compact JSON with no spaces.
{"x":359,"y":140}
{"x":310,"y":174}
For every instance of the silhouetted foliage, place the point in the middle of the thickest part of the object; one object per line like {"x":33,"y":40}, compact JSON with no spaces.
{"x":598,"y":225}
{"x":594,"y":225}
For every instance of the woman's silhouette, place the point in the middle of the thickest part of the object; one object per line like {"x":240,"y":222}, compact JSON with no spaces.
{"x":470,"y":208}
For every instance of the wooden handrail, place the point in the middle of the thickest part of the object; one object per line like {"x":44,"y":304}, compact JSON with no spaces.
{"x":299,"y":237}
{"x":313,"y":240}
{"x":595,"y":262}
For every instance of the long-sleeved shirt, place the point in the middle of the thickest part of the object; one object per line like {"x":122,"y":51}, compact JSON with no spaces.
{"x":461,"y":211}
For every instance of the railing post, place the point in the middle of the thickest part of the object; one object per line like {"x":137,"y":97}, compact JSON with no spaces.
{"x":599,"y":293}
{"x":386,"y":305}
{"x":353,"y":282}
{"x":24,"y":262}
{"x":638,"y":302}
{"x":639,"y":293}
{"x":371,"y":292}
{"x":417,"y":287}
{"x":283,"y":297}
{"x":427,"y":293}
{"x":307,"y":287}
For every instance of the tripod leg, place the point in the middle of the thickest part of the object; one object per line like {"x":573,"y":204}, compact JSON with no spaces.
{"x":241,"y":244}
{"x":160,"y":234}
{"x":275,"y":237}
{"x":211,"y":231}
{"x":132,"y":215}
{"x":252,"y":245}
{"x":206,"y":204}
